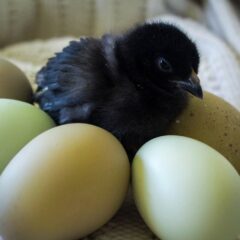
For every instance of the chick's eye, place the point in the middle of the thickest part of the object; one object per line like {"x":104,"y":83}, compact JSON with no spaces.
{"x":164,"y":65}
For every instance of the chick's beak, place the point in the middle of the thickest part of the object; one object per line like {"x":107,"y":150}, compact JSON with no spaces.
{"x":192,"y":85}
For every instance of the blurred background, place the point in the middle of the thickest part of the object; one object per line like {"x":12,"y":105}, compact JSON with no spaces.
{"x":31,"y":31}
{"x":28,"y":19}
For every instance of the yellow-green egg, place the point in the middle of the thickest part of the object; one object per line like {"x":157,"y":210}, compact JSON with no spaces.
{"x":186,"y":190}
{"x":64,"y":184}
{"x":214,"y":122}
{"x":20,"y":122}
{"x":13,"y":83}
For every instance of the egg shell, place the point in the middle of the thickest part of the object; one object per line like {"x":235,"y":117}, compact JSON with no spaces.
{"x":20,"y":122}
{"x":13,"y":83}
{"x":214,"y":122}
{"x":185,"y":190}
{"x":64,"y":184}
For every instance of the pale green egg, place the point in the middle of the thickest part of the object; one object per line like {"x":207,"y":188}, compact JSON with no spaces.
{"x":20,"y":122}
{"x":186,"y":190}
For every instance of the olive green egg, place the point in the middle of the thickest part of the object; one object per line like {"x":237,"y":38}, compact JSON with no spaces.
{"x":13,"y":83}
{"x":214,"y":122}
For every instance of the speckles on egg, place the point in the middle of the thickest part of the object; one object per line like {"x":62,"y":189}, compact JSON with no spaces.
{"x":191,"y":114}
{"x":213,"y":121}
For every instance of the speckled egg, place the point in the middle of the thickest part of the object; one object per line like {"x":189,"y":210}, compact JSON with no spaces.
{"x":214,"y":122}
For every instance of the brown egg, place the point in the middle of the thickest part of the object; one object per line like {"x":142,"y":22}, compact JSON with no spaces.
{"x":13,"y":83}
{"x":214,"y":122}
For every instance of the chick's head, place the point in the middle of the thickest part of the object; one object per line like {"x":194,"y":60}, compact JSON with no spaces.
{"x":161,"y":57}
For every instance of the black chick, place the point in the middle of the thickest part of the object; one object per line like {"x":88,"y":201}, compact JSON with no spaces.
{"x":134,"y":85}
